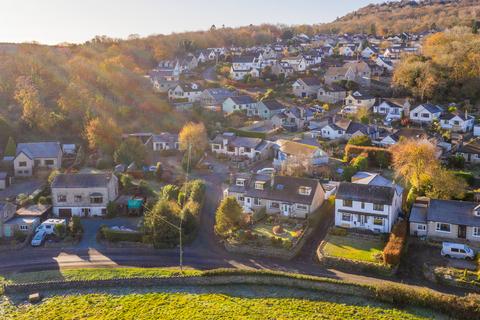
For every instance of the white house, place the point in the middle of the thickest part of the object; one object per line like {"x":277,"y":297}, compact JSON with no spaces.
{"x":232,"y":146}
{"x":345,"y":129}
{"x":240,"y":103}
{"x":37,"y":155}
{"x":357,"y":100}
{"x":189,"y":92}
{"x":306,"y":87}
{"x":83,"y":194}
{"x":425,"y":113}
{"x":390,"y":109}
{"x":165,"y":141}
{"x":285,"y":149}
{"x":369,"y":202}
{"x":457,"y":122}
{"x":298,"y":64}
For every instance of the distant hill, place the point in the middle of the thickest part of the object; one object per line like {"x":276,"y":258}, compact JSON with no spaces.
{"x":406,"y":16}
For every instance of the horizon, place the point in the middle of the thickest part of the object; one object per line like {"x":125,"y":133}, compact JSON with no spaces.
{"x":53,"y":22}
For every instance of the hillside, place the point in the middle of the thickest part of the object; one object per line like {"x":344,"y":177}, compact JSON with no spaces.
{"x":406,"y":16}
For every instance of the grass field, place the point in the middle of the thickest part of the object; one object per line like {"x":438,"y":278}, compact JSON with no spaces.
{"x":202,"y":306}
{"x":358,"y":249}
{"x":94,"y":274}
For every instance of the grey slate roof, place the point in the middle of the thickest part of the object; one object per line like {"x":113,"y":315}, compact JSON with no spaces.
{"x":365,"y":193}
{"x":418,"y":215}
{"x":472,"y":147}
{"x":432,"y":108}
{"x":273,"y":105}
{"x":165,"y":137}
{"x":455,"y":212}
{"x":244,"y":99}
{"x":36,"y":150}
{"x":311,"y":81}
{"x":81,"y":180}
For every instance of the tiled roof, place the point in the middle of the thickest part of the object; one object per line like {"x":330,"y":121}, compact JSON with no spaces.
{"x":365,"y":193}
{"x":81,"y":180}
{"x":36,"y":150}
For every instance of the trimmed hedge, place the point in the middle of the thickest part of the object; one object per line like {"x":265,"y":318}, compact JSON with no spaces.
{"x":248,"y":134}
{"x":117,"y":235}
{"x":393,"y":250}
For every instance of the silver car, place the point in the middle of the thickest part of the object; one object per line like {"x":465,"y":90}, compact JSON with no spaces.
{"x":38,"y":239}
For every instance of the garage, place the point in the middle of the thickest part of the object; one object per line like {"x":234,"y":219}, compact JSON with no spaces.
{"x":65,"y":213}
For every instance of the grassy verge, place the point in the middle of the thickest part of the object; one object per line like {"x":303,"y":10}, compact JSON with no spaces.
{"x":358,"y":249}
{"x":202,"y":306}
{"x":95,"y":274}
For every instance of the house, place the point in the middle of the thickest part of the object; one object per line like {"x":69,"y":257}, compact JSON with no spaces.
{"x":445,"y":219}
{"x":298,"y":64}
{"x":294,"y":118}
{"x":285,"y":149}
{"x":470,"y":151}
{"x":391,"y":109}
{"x":25,"y":225}
{"x":36,"y":155}
{"x":243,"y":66}
{"x":233,"y":146}
{"x":39,"y":211}
{"x":306,"y":87}
{"x":405,"y":133}
{"x":268,"y":108}
{"x":368,"y":51}
{"x":240,"y":103}
{"x":282,"y":68}
{"x":287,"y":196}
{"x":425,"y":113}
{"x":358,"y":100}
{"x":185,"y":92}
{"x":348,"y":50}
{"x":356,"y":71}
{"x":164,"y":79}
{"x":213,"y":98}
{"x":4,"y":180}
{"x":457,"y":122}
{"x":369,"y":202}
{"x":331,"y":94}
{"x":83,"y":194}
{"x":164,"y":141}
{"x":7,"y":212}
{"x":345,"y":129}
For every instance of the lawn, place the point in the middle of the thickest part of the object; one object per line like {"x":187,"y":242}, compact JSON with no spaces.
{"x":181,"y":305}
{"x":266,"y":229}
{"x":94,"y":274}
{"x":353,"y":249}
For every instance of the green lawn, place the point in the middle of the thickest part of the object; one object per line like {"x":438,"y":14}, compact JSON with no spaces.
{"x":354,"y":249}
{"x":202,"y":306}
{"x":94,"y":274}
{"x":266,"y":229}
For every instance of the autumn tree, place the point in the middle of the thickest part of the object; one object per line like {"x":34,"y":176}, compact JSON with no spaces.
{"x":296,"y":166}
{"x":103,"y":135}
{"x":228,"y":216}
{"x":27,"y":95}
{"x":443,"y":184}
{"x":193,"y":140}
{"x":11,"y":148}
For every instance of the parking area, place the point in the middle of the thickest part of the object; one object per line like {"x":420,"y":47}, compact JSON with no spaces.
{"x":91,"y":226}
{"x":21,"y":186}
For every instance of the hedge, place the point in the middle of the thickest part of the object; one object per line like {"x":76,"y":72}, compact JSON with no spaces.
{"x":393,"y":250}
{"x":467,"y":176}
{"x":117,"y":235}
{"x":248,"y":134}
{"x":376,"y":156}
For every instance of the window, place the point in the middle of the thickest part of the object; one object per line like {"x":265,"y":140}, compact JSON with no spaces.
{"x":305,"y":191}
{"x":256,"y":201}
{"x":240,"y":182}
{"x":22,"y":164}
{"x":346,"y":217}
{"x":77,"y":198}
{"x":443,"y":227}
{"x":216,"y":147}
{"x":425,"y":115}
{"x":378,"y":221}
{"x":274,"y":205}
{"x":302,"y":207}
{"x":247,"y":149}
{"x":49,"y":162}
{"x":241,"y":198}
{"x":378,"y":207}
{"x":421,"y":227}
{"x":23,"y":227}
{"x":61,"y":198}
{"x":363,"y":205}
{"x":96,"y":199}
{"x":347,"y":203}
{"x":476,"y":231}
{"x":259,"y":185}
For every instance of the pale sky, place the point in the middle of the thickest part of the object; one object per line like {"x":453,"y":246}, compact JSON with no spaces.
{"x":55,"y":21}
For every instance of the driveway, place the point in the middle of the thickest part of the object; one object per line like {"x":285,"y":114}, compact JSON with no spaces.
{"x":25,"y":186}
{"x":210,"y":74}
{"x":91,"y":226}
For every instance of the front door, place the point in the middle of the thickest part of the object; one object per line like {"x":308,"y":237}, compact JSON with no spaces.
{"x":362,"y":219}
{"x":285,"y":209}
{"x":462,"y":232}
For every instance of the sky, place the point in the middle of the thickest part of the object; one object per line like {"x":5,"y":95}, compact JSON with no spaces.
{"x":76,"y":21}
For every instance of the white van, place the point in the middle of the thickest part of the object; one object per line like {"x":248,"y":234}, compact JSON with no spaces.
{"x":49,"y":225}
{"x":457,"y":250}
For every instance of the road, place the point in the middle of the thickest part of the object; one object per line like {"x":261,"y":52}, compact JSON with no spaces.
{"x":206,"y":252}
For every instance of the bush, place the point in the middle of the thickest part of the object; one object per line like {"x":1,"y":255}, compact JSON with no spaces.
{"x":337,"y":231}
{"x":19,"y":236}
{"x":112,"y":209}
{"x":378,"y":157}
{"x":348,"y":173}
{"x":104,"y":163}
{"x":359,"y":163}
{"x":278,"y":230}
{"x":117,"y":236}
{"x":360,"y":141}
{"x":467,"y":176}
{"x":259,"y":215}
{"x":75,"y":226}
{"x":159,"y":171}
{"x":287,"y":243}
{"x":393,"y":250}
{"x":60,"y":231}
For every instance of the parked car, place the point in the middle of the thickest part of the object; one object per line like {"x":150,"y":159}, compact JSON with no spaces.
{"x":457,"y":250}
{"x":39,"y":238}
{"x":266,"y":171}
{"x":49,"y":225}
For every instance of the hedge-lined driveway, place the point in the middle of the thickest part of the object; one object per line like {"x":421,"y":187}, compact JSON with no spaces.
{"x":92,"y":225}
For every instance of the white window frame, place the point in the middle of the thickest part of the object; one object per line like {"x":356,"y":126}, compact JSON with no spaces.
{"x":344,"y":214}
{"x":438,"y":224}
{"x":421,"y":227}
{"x":302,"y":207}
{"x":23,"y":227}
{"x":476,"y":232}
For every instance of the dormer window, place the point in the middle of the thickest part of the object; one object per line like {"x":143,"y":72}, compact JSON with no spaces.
{"x":304,"y":191}
{"x":259,"y":185}
{"x":240,"y":182}
{"x":476,"y":211}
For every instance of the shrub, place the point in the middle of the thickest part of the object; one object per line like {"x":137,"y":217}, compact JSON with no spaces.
{"x":44,"y":200}
{"x":19,"y":236}
{"x":376,"y":156}
{"x":259,"y":215}
{"x":359,"y":163}
{"x":75,"y":226}
{"x":467,"y":176}
{"x":278,"y":230}
{"x":348,"y":173}
{"x":337,"y":231}
{"x":116,"y":236}
{"x":104,"y":163}
{"x":287,"y":243}
{"x":111,"y":210}
{"x":60,"y":230}
{"x":393,"y":250}
{"x":360,"y":141}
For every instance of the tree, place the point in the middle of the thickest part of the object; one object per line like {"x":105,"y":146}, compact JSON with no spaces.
{"x":296,"y":166}
{"x":103,"y":135}
{"x":228,"y":216}
{"x":194,"y":136}
{"x":414,"y":161}
{"x":170,"y":192}
{"x":359,"y":163}
{"x":360,"y":141}
{"x":131,"y":150}
{"x":33,"y":112}
{"x":11,"y":148}
{"x":158,"y":223}
{"x":159,"y":171}
{"x":445,"y":185}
